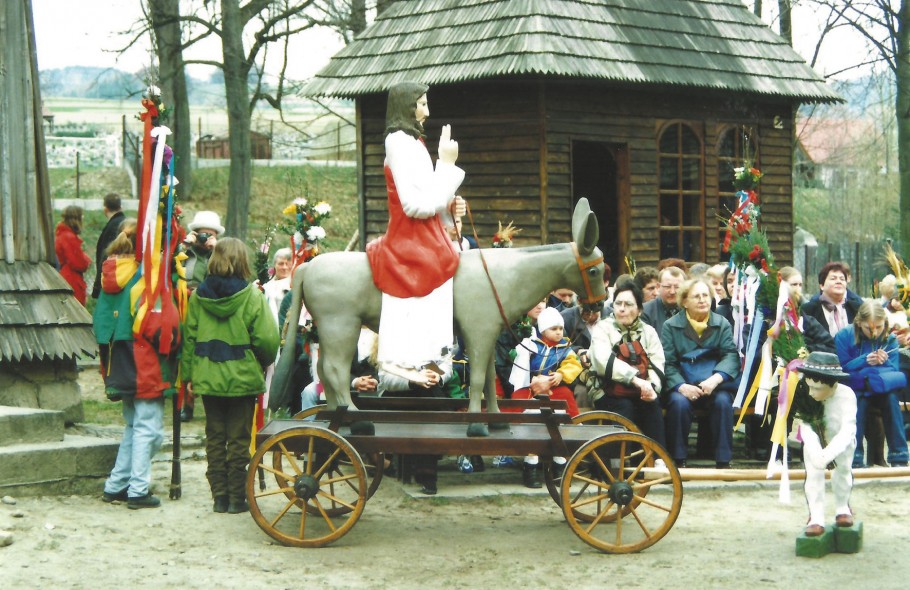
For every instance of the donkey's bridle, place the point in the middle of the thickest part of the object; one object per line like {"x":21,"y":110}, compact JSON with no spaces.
{"x":583,"y":267}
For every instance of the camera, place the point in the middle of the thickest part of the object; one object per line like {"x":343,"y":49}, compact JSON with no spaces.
{"x":203,"y":237}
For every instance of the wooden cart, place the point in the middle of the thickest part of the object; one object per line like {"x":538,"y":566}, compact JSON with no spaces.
{"x":619,"y":490}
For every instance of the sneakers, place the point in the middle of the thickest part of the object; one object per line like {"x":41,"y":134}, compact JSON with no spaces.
{"x":146,"y":501}
{"x":530,"y":476}
{"x":221,"y":504}
{"x":464,"y":464}
{"x":237,"y":506}
{"x":503,"y":461}
{"x":120,"y":496}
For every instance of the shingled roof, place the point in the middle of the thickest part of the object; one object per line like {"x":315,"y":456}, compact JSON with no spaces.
{"x":711,"y":44}
{"x":39,"y":317}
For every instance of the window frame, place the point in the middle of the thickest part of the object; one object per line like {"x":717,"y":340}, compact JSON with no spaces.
{"x":681,"y":194}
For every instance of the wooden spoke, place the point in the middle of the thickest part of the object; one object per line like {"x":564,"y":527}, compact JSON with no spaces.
{"x":319,"y":488}
{"x":595,"y":502}
{"x":552,"y":472}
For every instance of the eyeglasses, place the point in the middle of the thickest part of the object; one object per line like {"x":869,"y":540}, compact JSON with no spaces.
{"x":670,"y":287}
{"x":624,"y":304}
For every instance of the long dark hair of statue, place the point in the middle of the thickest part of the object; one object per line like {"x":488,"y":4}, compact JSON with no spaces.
{"x":400,"y":111}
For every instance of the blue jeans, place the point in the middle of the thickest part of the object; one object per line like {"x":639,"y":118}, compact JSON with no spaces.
{"x":142,"y":438}
{"x":679,"y":421}
{"x":894,"y":427}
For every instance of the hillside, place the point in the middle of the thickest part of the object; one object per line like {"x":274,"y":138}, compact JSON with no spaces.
{"x":108,"y":83}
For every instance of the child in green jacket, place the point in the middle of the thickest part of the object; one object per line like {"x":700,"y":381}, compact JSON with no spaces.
{"x":230,"y":337}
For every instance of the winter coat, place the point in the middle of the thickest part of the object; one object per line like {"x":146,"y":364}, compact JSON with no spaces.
{"x":607,"y":334}
{"x":120,"y":356}
{"x":815,"y":309}
{"x":679,"y":338}
{"x":536,"y":357}
{"x":108,"y":235}
{"x":852,"y":356}
{"x":230,"y":337}
{"x":72,"y":259}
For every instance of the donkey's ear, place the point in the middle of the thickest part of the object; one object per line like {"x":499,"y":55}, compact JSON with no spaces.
{"x":585,"y":230}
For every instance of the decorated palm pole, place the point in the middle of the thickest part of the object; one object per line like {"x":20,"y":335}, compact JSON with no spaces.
{"x":763,"y":307}
{"x":158,"y":301}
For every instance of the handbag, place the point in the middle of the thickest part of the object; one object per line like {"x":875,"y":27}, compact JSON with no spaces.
{"x":878,"y":380}
{"x":634,"y":355}
{"x":698,"y":364}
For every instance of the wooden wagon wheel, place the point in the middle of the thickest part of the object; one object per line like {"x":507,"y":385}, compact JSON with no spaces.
{"x":607,"y":478}
{"x":299,"y":507}
{"x":374,"y":462}
{"x":552,"y":472}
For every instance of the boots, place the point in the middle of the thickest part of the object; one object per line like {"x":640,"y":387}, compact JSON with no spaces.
{"x":530,"y":476}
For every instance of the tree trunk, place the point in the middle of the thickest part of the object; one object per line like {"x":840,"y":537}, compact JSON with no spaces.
{"x":381,"y":5}
{"x":165,"y":15}
{"x":786,"y":22}
{"x":237,"y":95}
{"x":903,"y":122}
{"x":358,"y":16}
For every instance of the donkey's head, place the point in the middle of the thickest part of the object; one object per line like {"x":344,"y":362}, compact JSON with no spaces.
{"x":585,"y":233}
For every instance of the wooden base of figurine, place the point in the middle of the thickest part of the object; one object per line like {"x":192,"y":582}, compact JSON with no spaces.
{"x":835,"y":539}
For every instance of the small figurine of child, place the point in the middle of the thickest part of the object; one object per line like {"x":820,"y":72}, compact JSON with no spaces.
{"x":822,"y":371}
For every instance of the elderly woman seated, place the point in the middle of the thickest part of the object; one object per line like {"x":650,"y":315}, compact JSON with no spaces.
{"x":627,"y":355}
{"x":702,"y":369}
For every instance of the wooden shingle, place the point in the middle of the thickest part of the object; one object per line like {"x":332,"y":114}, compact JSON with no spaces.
{"x":704,"y":44}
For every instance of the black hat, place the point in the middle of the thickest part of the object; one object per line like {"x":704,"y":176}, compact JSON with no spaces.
{"x":822,"y":364}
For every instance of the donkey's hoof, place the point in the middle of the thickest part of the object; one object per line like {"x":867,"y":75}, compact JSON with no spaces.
{"x":478,"y":429}
{"x":499,"y":426}
{"x":363,"y":427}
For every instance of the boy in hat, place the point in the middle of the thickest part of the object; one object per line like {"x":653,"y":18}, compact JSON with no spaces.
{"x":544,"y":362}
{"x":197,"y":247}
{"x":822,"y":371}
{"x":199,"y":242}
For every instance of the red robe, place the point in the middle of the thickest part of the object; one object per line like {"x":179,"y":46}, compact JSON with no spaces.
{"x":415,"y":256}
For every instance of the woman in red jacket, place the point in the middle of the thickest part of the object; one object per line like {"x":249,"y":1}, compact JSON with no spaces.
{"x":71,"y":257}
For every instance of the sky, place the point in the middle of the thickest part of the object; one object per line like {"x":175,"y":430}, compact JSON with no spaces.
{"x":88,"y":33}
{"x":85,"y":32}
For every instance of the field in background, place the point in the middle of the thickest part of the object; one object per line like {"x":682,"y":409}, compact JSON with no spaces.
{"x":273,"y":188}
{"x":107,"y":115}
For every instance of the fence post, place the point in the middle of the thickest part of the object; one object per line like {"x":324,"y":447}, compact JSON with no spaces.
{"x":857,"y":271}
{"x":77,"y":174}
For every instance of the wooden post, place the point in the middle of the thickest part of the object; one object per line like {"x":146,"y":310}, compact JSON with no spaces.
{"x":77,"y":174}
{"x":856,"y":267}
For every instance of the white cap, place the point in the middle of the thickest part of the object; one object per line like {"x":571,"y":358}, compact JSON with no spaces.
{"x":206,"y":220}
{"x":549,"y":318}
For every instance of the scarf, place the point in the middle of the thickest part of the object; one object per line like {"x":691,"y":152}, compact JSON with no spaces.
{"x":699,"y":327}
{"x":837,"y":310}
{"x":631,"y":332}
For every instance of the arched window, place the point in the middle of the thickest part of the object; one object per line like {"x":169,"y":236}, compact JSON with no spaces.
{"x":736,"y":145}
{"x":681,"y":186}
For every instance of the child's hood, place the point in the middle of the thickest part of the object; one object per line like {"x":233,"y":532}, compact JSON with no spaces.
{"x":223,"y":296}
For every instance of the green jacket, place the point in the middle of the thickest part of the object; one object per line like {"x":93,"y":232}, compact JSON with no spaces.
{"x":228,"y":341}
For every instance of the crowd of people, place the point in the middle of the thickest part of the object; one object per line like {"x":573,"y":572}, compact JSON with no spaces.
{"x":659,"y":351}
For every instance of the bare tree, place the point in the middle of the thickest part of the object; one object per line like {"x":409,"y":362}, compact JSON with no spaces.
{"x":164,"y":18}
{"x":885,"y":25}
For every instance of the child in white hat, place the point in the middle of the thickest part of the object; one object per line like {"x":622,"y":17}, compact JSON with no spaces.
{"x":544,"y":363}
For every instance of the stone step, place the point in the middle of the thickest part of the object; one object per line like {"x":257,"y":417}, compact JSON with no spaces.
{"x":29,"y":425}
{"x":74,"y":465}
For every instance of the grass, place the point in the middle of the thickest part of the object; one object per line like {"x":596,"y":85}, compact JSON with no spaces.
{"x":273,"y":188}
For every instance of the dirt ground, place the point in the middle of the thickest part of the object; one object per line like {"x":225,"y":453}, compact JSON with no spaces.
{"x":728,"y":535}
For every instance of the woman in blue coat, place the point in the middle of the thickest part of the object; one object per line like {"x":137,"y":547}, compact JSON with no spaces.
{"x":702,"y":369}
{"x":868,"y":352}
